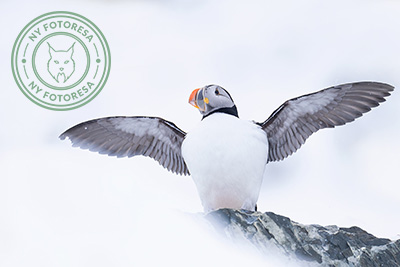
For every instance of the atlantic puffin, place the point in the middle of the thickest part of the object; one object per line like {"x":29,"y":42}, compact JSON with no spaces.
{"x":226,"y":156}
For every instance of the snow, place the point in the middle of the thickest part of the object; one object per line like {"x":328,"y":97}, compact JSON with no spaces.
{"x":61,"y":206}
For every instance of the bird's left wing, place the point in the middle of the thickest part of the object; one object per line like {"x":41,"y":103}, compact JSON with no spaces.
{"x":295,"y":120}
{"x":130,"y":136}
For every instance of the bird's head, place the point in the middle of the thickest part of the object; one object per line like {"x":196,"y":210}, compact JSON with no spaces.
{"x":212,"y":98}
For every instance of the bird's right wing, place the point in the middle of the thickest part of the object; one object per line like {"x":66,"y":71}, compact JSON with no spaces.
{"x":130,"y":136}
{"x":293,"y":122}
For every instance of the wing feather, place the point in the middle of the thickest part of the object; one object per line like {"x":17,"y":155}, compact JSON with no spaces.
{"x":130,"y":136}
{"x":293,"y":122}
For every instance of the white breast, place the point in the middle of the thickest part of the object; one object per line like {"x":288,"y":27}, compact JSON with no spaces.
{"x":226,"y":157}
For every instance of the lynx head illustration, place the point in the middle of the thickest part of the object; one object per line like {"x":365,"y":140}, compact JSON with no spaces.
{"x":61,"y":64}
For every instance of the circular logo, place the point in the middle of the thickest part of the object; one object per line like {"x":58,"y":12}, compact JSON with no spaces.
{"x":61,"y":60}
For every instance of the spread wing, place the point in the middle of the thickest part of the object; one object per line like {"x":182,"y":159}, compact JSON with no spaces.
{"x":130,"y":136}
{"x":293,"y":122}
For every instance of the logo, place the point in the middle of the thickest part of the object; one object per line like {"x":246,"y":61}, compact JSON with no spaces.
{"x":61,"y":61}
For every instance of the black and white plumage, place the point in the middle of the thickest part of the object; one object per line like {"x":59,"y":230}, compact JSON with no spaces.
{"x":226,"y":156}
{"x":294,"y":121}
{"x":131,"y":136}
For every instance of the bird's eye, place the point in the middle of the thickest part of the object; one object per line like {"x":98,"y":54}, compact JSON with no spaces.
{"x":56,"y":61}
{"x":216,"y":91}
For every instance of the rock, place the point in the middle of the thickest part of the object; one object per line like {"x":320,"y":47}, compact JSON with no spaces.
{"x":314,"y":244}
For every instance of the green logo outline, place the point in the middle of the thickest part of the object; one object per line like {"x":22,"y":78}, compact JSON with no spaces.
{"x":65,"y":87}
{"x":19,"y":56}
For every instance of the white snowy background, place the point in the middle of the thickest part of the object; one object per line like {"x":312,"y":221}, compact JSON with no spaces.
{"x":62,"y":206}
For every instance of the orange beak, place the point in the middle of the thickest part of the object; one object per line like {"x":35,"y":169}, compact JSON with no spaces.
{"x":192,"y":98}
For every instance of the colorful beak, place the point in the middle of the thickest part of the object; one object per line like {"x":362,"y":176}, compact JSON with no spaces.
{"x":198,"y":100}
{"x":192,"y":98}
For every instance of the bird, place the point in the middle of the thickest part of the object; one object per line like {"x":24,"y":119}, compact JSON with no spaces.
{"x":226,"y":156}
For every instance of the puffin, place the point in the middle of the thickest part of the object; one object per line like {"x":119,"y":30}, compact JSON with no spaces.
{"x":225,"y":155}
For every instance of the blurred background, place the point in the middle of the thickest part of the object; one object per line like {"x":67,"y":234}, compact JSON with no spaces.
{"x":62,"y":206}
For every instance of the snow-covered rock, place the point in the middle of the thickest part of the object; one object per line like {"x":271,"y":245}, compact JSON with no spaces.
{"x":311,"y":244}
